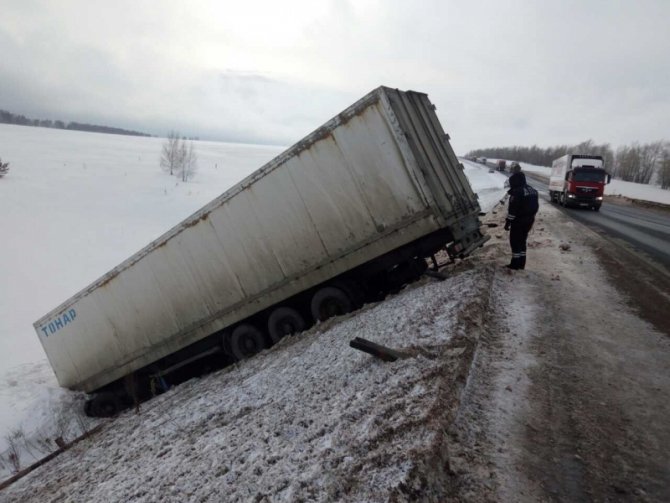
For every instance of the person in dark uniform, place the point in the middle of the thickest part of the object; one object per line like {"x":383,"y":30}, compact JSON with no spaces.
{"x":523,"y":206}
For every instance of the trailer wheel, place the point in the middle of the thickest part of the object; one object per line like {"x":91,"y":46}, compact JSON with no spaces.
{"x":225,"y":343}
{"x":103,"y":405}
{"x":328,"y":302}
{"x":285,"y":321}
{"x":246,"y":340}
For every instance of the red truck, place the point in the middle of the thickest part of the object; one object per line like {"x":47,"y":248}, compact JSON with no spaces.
{"x":578,"y":180}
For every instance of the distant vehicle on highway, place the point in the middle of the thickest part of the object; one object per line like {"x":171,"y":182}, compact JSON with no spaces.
{"x":502,"y":165}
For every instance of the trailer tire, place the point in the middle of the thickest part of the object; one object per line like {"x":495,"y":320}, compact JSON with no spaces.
{"x":285,"y":321}
{"x":224,"y":338}
{"x":246,"y":340}
{"x":328,"y":302}
{"x":103,"y":405}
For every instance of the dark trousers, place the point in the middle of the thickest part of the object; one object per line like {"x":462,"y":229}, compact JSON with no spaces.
{"x":518,"y":234}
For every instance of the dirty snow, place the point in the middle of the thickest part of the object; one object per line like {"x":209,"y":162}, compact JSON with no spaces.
{"x":308,"y":420}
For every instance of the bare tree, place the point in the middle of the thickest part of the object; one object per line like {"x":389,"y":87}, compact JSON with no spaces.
{"x":4,"y":168}
{"x":170,"y":153}
{"x":664,"y":167}
{"x":627,"y":163}
{"x":189,"y":160}
{"x":638,"y":163}
{"x":650,"y":157}
{"x":178,"y":157}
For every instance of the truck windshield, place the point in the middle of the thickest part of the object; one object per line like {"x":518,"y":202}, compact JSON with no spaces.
{"x":588,"y":176}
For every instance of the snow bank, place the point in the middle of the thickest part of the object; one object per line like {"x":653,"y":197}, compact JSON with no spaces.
{"x":638,"y":191}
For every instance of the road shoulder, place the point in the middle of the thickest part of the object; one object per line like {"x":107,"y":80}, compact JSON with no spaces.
{"x":569,"y":395}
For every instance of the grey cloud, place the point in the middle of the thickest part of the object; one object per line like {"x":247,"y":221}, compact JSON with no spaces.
{"x":257,"y":108}
{"x":517,"y":72}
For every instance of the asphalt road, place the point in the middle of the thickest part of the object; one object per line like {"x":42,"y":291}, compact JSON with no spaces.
{"x":642,"y":229}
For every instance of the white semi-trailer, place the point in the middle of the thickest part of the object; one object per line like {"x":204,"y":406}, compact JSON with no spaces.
{"x":341,"y":217}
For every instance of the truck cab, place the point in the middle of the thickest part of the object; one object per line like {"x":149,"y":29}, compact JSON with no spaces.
{"x":578,"y":181}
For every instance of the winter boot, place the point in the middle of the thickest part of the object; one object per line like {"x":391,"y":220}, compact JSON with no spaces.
{"x":514,"y":264}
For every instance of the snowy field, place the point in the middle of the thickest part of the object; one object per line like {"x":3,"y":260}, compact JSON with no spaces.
{"x":75,"y":205}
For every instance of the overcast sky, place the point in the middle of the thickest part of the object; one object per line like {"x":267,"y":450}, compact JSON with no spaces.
{"x":515,"y":72}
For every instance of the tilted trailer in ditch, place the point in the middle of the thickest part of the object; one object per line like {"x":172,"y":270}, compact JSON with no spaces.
{"x":342,"y":217}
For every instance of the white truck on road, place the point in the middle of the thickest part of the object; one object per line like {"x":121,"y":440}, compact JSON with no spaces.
{"x":342,"y":217}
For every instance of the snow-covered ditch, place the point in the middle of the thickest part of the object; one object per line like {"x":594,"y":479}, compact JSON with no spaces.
{"x":309,"y":420}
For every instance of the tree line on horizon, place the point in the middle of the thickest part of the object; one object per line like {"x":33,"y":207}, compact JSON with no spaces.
{"x":21,"y":120}
{"x":640,"y":163}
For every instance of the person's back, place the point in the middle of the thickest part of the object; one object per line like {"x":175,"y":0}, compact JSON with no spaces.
{"x":523,"y":202}
{"x":530,"y":201}
{"x":523,"y":205}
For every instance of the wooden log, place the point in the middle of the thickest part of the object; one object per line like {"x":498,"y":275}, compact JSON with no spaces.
{"x":382,"y":352}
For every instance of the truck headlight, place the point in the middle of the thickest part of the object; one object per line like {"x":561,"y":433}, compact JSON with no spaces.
{"x":571,"y":196}
{"x":599,"y":198}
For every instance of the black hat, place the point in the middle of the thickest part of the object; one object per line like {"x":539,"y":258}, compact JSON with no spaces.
{"x":518,"y":179}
